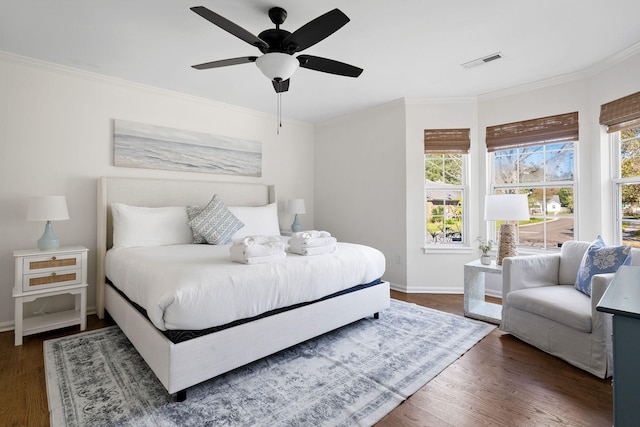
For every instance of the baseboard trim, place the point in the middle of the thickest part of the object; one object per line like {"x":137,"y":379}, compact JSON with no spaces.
{"x":438,"y":290}
{"x":426,"y":289}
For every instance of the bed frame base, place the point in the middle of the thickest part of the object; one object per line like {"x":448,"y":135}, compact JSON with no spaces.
{"x":181,"y":395}
{"x":182,"y":365}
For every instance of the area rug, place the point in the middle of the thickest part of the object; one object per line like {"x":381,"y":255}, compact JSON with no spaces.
{"x":352,"y":376}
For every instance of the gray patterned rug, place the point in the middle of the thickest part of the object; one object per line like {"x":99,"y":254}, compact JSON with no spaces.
{"x":351,"y":376}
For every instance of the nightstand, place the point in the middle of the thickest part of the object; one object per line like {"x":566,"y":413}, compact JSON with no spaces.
{"x":41,"y":274}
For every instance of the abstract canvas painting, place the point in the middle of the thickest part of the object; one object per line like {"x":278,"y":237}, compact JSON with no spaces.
{"x":139,"y":145}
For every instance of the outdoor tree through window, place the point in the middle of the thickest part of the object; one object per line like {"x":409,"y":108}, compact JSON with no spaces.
{"x":444,"y":190}
{"x":627,"y":185}
{"x":546,"y":174}
{"x":536,"y":157}
{"x":445,"y":185}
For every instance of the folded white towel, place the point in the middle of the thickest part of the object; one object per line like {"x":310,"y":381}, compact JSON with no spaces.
{"x":242,"y":251}
{"x":319,"y":250}
{"x":299,"y":243}
{"x":256,"y":240}
{"x":260,"y":259}
{"x":311,"y":233}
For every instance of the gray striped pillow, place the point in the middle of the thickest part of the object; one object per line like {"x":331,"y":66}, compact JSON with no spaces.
{"x":215,"y":222}
{"x":192,"y":212}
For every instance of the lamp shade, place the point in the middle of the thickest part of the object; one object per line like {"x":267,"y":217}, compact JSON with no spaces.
{"x":296,"y":206}
{"x":47,"y":208}
{"x":507,"y":207}
{"x":276,"y":65}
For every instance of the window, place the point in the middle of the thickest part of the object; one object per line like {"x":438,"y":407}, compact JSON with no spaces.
{"x":445,"y":188}
{"x":537,"y":158}
{"x":627,"y":185}
{"x":622,"y":119}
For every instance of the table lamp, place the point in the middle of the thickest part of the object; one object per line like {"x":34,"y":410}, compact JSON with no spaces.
{"x":48,"y":208}
{"x":296,"y":206}
{"x":506,"y":207}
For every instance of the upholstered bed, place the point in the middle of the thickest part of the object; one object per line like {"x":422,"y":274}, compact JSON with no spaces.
{"x":278,"y":317}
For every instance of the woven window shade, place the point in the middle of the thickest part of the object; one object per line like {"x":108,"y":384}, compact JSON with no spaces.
{"x":621,"y":114}
{"x":545,"y":130}
{"x":447,"y":141}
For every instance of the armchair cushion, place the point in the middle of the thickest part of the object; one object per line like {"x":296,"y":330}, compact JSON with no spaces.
{"x":571,"y":253}
{"x":560,"y":303}
{"x":599,"y":259}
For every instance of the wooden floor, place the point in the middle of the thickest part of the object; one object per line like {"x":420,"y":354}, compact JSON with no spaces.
{"x":499,"y":382}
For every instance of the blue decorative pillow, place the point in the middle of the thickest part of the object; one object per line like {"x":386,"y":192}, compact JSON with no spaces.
{"x":599,"y":259}
{"x":215,"y":222}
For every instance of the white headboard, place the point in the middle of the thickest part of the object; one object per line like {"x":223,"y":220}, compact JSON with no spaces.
{"x":158,"y":193}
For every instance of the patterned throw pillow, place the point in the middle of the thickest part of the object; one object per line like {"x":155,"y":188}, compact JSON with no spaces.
{"x":215,"y":222}
{"x":192,"y":212}
{"x":599,"y":259}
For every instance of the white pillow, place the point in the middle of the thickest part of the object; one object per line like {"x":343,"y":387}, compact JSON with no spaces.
{"x":257,"y":220}
{"x":135,"y":226}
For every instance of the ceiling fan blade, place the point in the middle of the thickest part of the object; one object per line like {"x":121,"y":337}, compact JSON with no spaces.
{"x":225,"y":62}
{"x":315,"y":31}
{"x":230,"y":27}
{"x":281,"y":86}
{"x":328,"y":66}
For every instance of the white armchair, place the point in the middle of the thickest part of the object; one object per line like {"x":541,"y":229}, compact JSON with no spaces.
{"x":541,"y":306}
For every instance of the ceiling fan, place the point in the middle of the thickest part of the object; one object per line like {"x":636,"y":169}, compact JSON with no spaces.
{"x":278,"y":46}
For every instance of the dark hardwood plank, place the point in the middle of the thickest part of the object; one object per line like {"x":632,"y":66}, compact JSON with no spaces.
{"x":500,"y":381}
{"x":503,"y":381}
{"x":23,"y":390}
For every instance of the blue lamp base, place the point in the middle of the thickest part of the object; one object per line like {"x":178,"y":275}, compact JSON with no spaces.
{"x":48,"y":241}
{"x":295,"y":227}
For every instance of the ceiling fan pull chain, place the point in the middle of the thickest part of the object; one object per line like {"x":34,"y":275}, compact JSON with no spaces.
{"x":279,"y":113}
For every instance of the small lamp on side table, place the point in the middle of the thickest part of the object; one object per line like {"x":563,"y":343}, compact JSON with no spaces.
{"x":506,"y":207}
{"x":296,"y":206}
{"x":48,"y":208}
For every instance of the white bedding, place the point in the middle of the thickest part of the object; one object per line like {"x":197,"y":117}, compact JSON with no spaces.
{"x":197,"y":286}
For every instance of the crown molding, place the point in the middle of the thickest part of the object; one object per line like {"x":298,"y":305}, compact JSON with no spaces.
{"x":595,"y":69}
{"x":103,"y":78}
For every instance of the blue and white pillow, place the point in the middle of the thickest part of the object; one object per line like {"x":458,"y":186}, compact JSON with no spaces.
{"x":215,"y":222}
{"x":599,"y":259}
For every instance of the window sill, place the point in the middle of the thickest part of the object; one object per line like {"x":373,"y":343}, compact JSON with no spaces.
{"x":447,"y":249}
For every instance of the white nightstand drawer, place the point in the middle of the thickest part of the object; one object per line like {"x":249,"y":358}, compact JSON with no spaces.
{"x":50,"y":263}
{"x":60,"y":277}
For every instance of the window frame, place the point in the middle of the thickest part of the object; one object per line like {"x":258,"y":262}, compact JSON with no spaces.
{"x":617,"y":183}
{"x":464,"y":188}
{"x":573,"y":184}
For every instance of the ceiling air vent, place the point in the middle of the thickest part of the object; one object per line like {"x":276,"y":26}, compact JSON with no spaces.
{"x":482,"y":60}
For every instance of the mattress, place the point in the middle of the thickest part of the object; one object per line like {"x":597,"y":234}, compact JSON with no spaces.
{"x":192,"y":287}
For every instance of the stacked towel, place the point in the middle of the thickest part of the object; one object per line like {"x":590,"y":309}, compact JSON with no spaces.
{"x":257,"y":249}
{"x":312,"y":242}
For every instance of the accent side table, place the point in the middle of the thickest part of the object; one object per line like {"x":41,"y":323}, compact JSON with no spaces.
{"x":475,"y":305}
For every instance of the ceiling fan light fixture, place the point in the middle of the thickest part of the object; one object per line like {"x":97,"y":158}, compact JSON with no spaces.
{"x":277,"y":66}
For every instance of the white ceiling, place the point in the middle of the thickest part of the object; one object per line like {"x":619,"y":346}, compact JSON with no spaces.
{"x":408,"y":48}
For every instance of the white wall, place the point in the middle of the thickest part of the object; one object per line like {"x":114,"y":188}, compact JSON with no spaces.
{"x":425,"y":271}
{"x":360,"y":180}
{"x":347,"y":182}
{"x":606,"y":85}
{"x":56,"y":134}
